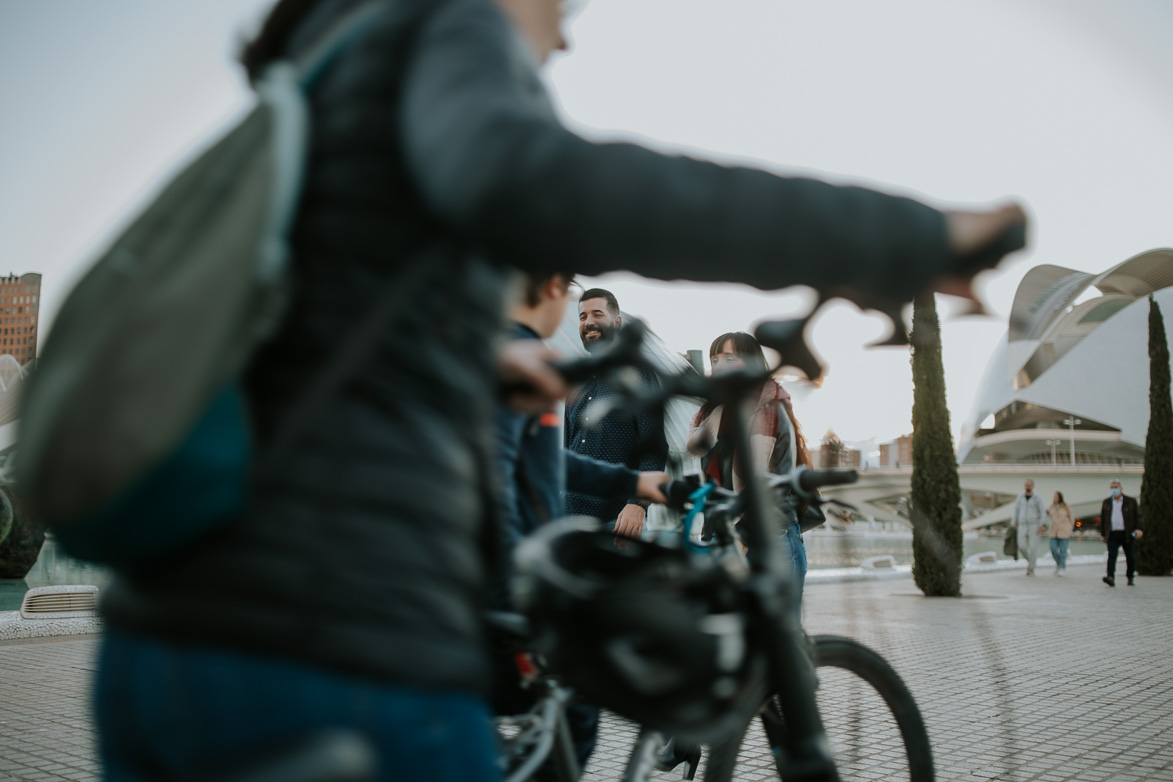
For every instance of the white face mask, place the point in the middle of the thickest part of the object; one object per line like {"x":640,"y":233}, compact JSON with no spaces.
{"x":1115,"y":491}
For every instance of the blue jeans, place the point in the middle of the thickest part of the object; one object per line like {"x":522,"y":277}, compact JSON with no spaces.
{"x":1059,"y":551}
{"x":792,"y":542}
{"x":168,"y":711}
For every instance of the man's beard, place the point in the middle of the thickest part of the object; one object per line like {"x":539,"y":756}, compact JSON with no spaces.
{"x":606,"y":337}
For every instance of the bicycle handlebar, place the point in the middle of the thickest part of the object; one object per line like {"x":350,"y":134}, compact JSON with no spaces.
{"x":804,"y":482}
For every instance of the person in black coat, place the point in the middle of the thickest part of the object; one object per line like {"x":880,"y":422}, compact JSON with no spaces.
{"x":1120,"y":526}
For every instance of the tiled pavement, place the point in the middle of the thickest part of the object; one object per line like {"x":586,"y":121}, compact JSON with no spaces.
{"x":1025,"y":679}
{"x":44,"y":709}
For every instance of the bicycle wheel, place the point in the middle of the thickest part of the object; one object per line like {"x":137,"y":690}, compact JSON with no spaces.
{"x":868,"y":713}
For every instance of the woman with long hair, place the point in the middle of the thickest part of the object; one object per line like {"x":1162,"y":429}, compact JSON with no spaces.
{"x":1062,"y":525}
{"x":777,"y":445}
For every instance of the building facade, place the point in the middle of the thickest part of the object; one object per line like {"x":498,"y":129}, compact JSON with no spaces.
{"x":1069,"y":383}
{"x":20,"y":303}
{"x":897,"y":453}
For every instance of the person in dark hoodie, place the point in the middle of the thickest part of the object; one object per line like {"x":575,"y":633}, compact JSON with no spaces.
{"x":350,"y":593}
{"x":536,"y":473}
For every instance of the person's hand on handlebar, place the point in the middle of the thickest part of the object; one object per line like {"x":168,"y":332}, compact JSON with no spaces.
{"x":530,"y":384}
{"x":630,"y":524}
{"x":648,"y":487}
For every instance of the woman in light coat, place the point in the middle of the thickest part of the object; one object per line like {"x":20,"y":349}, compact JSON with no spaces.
{"x":1062,"y":525}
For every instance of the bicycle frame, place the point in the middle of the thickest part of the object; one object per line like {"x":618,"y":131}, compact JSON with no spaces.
{"x":771,"y":585}
{"x":547,"y":721}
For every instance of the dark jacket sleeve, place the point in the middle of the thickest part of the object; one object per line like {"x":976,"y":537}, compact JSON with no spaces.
{"x":585,"y":475}
{"x":509,"y":427}
{"x":1105,"y":518}
{"x":491,"y":158}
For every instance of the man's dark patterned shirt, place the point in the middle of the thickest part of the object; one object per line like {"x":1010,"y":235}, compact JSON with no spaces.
{"x":636,"y":441}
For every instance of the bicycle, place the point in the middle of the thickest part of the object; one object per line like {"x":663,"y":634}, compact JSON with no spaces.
{"x":541,"y":734}
{"x":528,"y":739}
{"x":828,"y":651}
{"x":788,"y":708}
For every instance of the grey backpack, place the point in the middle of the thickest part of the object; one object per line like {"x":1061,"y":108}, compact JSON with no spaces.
{"x":133,"y":433}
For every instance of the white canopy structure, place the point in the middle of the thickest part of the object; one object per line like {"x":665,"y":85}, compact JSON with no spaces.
{"x":1073,"y":366}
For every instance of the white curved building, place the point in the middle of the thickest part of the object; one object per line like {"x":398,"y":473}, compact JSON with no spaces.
{"x":1076,"y":349}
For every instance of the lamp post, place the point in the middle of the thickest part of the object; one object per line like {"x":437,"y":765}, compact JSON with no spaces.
{"x":1053,"y":443}
{"x":1071,"y":422}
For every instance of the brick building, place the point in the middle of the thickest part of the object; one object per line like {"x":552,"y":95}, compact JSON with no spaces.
{"x":20,"y":303}
{"x":897,"y":453}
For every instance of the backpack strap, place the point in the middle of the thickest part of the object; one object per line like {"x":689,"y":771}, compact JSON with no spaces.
{"x":362,"y":339}
{"x":312,"y":63}
{"x":282,"y":86}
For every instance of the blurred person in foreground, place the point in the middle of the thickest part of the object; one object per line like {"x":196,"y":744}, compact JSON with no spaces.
{"x":536,"y":474}
{"x":351,"y":592}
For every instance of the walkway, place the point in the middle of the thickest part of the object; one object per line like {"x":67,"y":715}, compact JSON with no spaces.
{"x":1021,"y":680}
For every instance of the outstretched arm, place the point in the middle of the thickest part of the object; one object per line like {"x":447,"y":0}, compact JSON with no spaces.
{"x":491,"y":159}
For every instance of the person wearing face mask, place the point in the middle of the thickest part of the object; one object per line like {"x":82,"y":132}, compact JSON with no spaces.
{"x":1028,"y":519}
{"x":1120,"y":526}
{"x":777,"y":444}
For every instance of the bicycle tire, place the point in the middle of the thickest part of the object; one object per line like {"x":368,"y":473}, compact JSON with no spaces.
{"x":849,"y":655}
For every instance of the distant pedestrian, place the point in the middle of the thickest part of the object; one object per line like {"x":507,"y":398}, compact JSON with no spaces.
{"x":1062,"y":525}
{"x":1120,"y":525}
{"x":1028,"y":519}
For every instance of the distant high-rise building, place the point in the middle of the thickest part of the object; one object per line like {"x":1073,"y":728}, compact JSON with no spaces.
{"x":20,"y":304}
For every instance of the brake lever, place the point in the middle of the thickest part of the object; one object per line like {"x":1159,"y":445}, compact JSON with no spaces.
{"x":788,"y":337}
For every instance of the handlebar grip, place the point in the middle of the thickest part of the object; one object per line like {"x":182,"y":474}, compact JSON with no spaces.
{"x":677,"y":493}
{"x":811,"y":480}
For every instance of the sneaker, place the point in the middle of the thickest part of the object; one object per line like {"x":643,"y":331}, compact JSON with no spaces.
{"x":1131,"y":583}
{"x":1059,"y":573}
{"x":1109,"y":581}
{"x":1057,"y":570}
{"x":1030,"y":572}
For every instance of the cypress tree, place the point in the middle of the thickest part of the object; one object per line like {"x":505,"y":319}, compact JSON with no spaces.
{"x":936,"y":490}
{"x":1154,"y":551}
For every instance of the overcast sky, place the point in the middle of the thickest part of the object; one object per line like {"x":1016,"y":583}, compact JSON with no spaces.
{"x":1064,"y":104}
